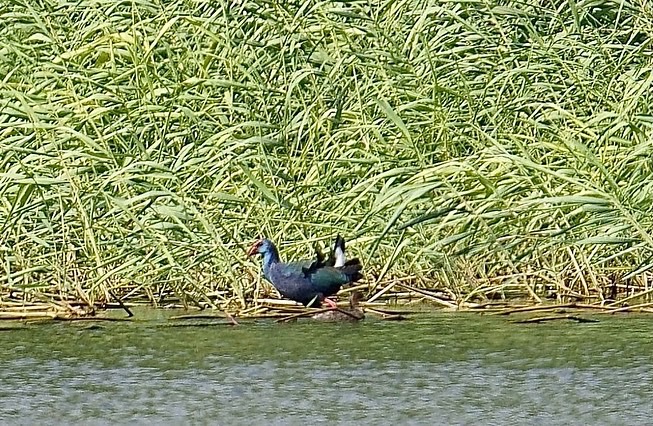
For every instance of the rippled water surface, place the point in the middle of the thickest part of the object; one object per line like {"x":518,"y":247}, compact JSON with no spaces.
{"x":435,"y":369}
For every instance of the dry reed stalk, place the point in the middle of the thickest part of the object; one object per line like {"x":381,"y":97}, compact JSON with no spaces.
{"x":555,"y":318}
{"x":630,"y":308}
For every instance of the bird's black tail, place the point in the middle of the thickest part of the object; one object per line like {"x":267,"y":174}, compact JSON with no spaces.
{"x":337,"y":256}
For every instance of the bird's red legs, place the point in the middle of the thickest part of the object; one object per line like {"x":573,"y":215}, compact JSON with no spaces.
{"x":331,"y":303}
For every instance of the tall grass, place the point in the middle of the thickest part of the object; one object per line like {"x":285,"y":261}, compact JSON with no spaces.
{"x":476,"y":147}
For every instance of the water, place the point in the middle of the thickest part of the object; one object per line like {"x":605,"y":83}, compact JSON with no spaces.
{"x":436,"y":369}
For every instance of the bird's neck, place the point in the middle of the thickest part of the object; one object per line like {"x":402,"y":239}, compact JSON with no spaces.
{"x":270,"y":257}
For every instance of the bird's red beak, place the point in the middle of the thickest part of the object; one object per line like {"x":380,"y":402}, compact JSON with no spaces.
{"x":253,"y":249}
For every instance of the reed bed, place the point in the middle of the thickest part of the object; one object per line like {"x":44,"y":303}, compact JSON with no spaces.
{"x":471,"y":152}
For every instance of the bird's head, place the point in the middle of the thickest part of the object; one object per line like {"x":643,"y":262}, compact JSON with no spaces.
{"x":261,"y":246}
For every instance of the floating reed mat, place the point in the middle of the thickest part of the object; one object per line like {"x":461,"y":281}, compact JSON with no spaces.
{"x":395,"y":300}
{"x":44,"y":311}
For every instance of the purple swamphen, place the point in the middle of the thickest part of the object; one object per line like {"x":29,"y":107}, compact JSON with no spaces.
{"x":308,"y":282}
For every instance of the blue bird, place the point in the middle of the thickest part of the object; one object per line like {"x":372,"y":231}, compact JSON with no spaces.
{"x":308,"y":282}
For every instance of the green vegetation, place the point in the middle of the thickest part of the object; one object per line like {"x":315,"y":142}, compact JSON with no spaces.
{"x":477,"y":148}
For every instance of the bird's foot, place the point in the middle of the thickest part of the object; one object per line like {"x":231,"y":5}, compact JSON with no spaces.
{"x":331,"y":303}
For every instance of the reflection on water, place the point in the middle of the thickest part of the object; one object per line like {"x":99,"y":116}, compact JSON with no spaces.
{"x":439,"y":369}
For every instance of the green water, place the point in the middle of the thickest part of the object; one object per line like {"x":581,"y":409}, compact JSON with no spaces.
{"x":436,"y":369}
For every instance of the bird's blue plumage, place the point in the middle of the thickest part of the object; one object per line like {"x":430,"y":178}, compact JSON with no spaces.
{"x":307,"y":282}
